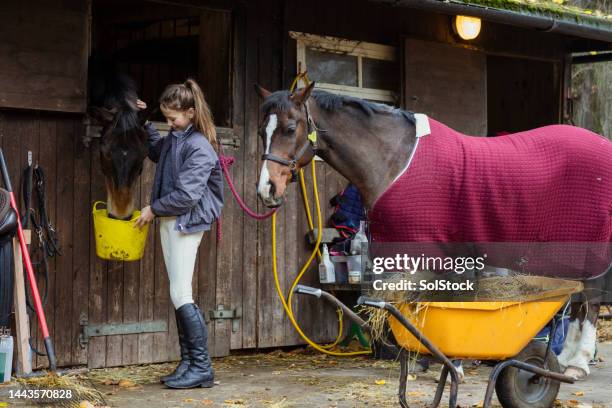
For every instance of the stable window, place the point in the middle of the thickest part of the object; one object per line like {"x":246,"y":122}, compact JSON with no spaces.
{"x":354,"y":68}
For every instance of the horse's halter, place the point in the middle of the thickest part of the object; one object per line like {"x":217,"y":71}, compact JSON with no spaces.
{"x":310,"y":142}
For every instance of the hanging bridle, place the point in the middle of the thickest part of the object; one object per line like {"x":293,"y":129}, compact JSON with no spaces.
{"x":311,"y":141}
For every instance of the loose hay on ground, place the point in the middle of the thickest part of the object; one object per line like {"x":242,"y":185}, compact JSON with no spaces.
{"x":80,"y":387}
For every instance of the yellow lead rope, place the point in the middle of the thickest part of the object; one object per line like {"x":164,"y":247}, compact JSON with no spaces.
{"x":287,"y":304}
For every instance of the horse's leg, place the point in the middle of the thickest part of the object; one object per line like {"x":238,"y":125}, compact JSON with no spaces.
{"x":587,"y":313}
{"x":461,"y":374}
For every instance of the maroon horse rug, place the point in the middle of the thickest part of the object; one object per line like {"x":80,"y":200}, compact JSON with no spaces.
{"x":547,"y":185}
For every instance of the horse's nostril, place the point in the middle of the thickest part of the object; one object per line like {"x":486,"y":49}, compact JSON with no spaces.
{"x":272,"y":190}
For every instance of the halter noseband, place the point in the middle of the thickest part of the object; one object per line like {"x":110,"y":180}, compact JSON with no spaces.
{"x":310,"y":142}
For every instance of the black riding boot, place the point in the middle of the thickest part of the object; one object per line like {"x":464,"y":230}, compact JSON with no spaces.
{"x":184,"y":363}
{"x":200,"y":372}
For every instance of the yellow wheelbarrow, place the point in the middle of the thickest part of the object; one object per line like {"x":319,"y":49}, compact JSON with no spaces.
{"x":527,"y":374}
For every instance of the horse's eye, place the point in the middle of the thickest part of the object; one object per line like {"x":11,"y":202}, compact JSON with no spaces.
{"x":291,"y":129}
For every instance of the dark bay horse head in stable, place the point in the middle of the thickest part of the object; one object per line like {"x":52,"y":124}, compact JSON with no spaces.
{"x":422,"y":181}
{"x":123,"y":145}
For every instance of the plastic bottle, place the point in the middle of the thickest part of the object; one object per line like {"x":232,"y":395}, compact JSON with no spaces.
{"x":6,"y":358}
{"x":326,"y":268}
{"x":354,"y":269}
{"x":360,"y":240}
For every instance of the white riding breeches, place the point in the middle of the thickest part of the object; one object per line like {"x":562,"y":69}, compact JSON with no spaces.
{"x":180,"y":252}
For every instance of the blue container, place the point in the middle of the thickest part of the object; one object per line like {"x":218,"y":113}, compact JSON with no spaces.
{"x":6,"y":358}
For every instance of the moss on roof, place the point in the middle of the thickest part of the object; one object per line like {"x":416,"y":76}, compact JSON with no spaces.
{"x":552,"y":8}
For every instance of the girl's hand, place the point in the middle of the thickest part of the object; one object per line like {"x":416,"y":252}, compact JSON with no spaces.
{"x":146,"y":216}
{"x":141,"y":104}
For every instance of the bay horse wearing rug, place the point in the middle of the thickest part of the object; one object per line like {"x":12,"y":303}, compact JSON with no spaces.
{"x":424,"y":182}
{"x":123,"y":145}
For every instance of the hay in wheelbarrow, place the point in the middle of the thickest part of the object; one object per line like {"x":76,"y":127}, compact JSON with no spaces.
{"x":512,"y":288}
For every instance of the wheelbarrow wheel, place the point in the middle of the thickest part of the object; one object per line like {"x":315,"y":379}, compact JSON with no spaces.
{"x":517,"y":388}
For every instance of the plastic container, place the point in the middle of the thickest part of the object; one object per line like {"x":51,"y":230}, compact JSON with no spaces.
{"x":360,"y":241}
{"x":326,"y":268}
{"x":353,"y":263}
{"x":118,"y":240}
{"x":340,"y":268}
{"x":6,"y":358}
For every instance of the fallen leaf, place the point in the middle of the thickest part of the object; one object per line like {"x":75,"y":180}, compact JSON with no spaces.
{"x":578,"y":393}
{"x":411,"y":377}
{"x":188,"y":400}
{"x":3,"y":404}
{"x":86,"y":404}
{"x":479,"y":404}
{"x":380,"y":382}
{"x":207,"y":402}
{"x":234,"y":401}
{"x":415,"y":394}
{"x":126,"y":383}
{"x":573,"y":402}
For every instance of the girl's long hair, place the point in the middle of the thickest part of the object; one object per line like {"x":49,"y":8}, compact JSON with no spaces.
{"x":181,"y":97}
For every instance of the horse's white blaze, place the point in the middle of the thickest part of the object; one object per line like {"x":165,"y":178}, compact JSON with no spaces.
{"x":109,"y":203}
{"x":585,"y":350}
{"x":571,"y":343}
{"x":263,"y":188}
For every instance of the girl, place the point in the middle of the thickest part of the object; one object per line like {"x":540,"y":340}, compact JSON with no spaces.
{"x":187,"y":195}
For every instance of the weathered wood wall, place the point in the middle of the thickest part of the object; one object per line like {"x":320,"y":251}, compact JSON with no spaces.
{"x":236,"y":273}
{"x":41,"y":66}
{"x":447,"y":83}
{"x":54,"y":140}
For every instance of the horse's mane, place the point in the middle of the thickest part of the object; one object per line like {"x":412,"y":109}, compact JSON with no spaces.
{"x":279,"y":100}
{"x":112,"y":89}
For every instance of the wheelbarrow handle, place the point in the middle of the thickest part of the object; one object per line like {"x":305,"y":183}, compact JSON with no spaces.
{"x":363,"y":300}
{"x":307,"y":290}
{"x":321,"y":294}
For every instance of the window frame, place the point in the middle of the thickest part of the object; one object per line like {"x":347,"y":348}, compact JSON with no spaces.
{"x":359,"y":49}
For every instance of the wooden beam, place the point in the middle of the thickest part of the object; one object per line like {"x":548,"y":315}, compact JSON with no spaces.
{"x":22,"y":324}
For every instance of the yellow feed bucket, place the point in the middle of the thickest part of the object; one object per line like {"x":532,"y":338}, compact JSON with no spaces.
{"x":118,"y":240}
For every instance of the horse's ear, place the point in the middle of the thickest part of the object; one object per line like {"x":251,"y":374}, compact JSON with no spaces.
{"x":303,"y":94}
{"x":262,"y":92}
